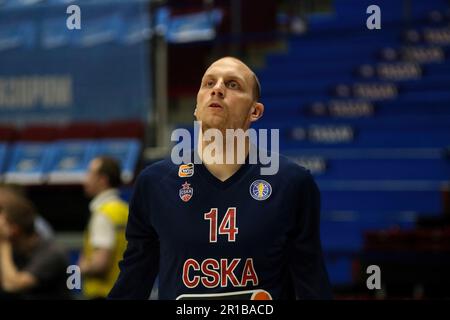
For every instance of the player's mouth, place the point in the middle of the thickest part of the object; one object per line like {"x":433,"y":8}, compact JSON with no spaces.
{"x":215,"y":105}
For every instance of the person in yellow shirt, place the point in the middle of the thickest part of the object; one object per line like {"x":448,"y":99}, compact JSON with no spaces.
{"x":104,"y":239}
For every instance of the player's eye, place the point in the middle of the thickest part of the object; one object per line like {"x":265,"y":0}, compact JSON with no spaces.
{"x":232,"y":85}
{"x":209,"y":83}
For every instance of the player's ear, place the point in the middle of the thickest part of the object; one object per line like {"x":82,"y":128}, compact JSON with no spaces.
{"x":257,"y":112}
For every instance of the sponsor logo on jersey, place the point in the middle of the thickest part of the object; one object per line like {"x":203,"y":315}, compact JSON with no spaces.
{"x":260,"y":190}
{"x":186,"y":192}
{"x":186,"y":170}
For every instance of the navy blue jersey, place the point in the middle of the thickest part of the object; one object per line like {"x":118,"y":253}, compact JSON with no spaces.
{"x":249,"y":237}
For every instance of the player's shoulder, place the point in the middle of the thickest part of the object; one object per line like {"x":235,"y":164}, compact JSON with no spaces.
{"x":293,"y":171}
{"x":288,"y":165}
{"x":157,"y":171}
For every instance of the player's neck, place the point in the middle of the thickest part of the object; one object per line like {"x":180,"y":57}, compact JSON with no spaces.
{"x":222,"y":160}
{"x":222,"y":171}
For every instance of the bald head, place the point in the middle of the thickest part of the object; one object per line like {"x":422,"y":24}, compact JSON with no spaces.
{"x":256,"y":84}
{"x":228,"y":97}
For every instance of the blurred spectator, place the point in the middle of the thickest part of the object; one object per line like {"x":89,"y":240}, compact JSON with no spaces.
{"x":31,"y":267}
{"x":41,"y":225}
{"x":104,"y":241}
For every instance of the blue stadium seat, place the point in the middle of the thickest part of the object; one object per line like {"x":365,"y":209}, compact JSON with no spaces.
{"x":28,"y":163}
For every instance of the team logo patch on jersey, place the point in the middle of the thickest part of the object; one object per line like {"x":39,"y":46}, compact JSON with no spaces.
{"x":260,"y":190}
{"x":186,"y":170}
{"x":186,"y":192}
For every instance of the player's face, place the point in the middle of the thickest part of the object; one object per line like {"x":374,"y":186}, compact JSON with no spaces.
{"x":225,"y":99}
{"x":92,"y":181}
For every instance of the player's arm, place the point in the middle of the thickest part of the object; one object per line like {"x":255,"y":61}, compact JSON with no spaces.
{"x":306,"y":263}
{"x":13,"y":280}
{"x":140,"y":263}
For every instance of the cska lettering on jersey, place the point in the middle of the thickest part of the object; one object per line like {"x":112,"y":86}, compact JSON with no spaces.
{"x":212,"y":273}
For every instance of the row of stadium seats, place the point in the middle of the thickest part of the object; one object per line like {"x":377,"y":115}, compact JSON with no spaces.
{"x":273,"y":88}
{"x":39,"y":24}
{"x":348,"y":13}
{"x":63,"y":161}
{"x":368,"y":112}
{"x":405,"y":168}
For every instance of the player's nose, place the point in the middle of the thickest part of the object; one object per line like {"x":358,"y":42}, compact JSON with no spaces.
{"x":218,"y":89}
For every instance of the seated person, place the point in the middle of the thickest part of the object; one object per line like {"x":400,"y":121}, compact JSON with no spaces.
{"x":43,"y":228}
{"x":31,"y":267}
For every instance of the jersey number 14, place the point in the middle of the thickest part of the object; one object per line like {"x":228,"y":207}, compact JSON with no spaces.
{"x":227,"y":225}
